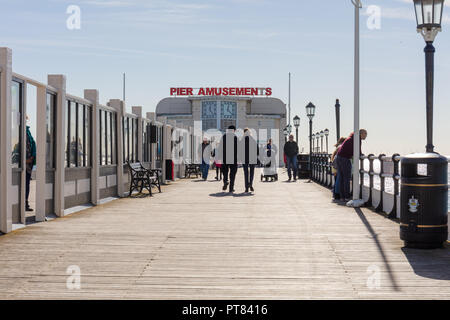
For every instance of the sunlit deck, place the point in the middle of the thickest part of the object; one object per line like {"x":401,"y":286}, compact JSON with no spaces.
{"x":287,"y":241}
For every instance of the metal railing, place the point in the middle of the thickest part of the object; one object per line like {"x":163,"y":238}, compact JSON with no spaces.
{"x":382,"y":196}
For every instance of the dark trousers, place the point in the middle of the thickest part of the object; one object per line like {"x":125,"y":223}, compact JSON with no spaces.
{"x":292,"y":165}
{"x":231,"y":169}
{"x":344,"y":168}
{"x":27,"y":186}
{"x":248,"y":175}
{"x":218,"y":173}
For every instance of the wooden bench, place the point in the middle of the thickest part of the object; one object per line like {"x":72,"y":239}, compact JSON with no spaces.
{"x":192,"y":169}
{"x":142,"y":177}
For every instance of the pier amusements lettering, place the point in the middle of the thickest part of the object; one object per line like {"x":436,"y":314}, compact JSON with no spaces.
{"x":228,"y":91}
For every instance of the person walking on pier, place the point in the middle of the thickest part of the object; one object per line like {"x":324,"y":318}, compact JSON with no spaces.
{"x":251,"y":154}
{"x":228,"y":148}
{"x":344,"y":165}
{"x":336,"y":195}
{"x":206,"y":152}
{"x":291,"y":153}
{"x":30,"y":162}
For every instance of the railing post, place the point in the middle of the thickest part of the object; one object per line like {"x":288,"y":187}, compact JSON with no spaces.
{"x":361,"y":175}
{"x":138,"y":111}
{"x":396,"y":178}
{"x":379,"y":208}
{"x":119,"y":106}
{"x":59,"y":82}
{"x":371,"y":174}
{"x":93,"y":96}
{"x":5,"y":140}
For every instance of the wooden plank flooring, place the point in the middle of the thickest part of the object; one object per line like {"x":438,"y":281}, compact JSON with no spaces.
{"x":288,"y":241}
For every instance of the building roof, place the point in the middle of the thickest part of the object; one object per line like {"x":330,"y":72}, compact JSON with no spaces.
{"x":258,"y":105}
{"x":174,"y":106}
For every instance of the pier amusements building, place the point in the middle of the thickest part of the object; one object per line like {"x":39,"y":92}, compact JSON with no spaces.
{"x":221,"y":111}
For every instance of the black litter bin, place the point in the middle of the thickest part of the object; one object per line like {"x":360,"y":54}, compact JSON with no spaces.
{"x":303,"y":166}
{"x":424,"y":200}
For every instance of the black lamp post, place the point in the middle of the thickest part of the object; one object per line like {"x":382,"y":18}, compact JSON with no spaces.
{"x":424,"y":177}
{"x":296,"y":125}
{"x":338,"y":119}
{"x":310,"y":112}
{"x":326,"y":132}
{"x":318,"y":137}
{"x":429,"y":17}
{"x":285,"y":133}
{"x":321,"y":141}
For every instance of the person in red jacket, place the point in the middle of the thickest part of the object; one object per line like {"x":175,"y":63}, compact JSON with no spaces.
{"x":344,"y":165}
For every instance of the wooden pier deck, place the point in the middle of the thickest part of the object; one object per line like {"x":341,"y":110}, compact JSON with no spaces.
{"x":288,"y":241}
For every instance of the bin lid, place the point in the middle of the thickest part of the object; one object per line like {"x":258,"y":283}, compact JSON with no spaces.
{"x":424,"y":158}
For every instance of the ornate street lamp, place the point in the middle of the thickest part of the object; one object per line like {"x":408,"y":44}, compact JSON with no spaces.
{"x":326,"y":132}
{"x":296,"y":125}
{"x":317,"y":137}
{"x":310,"y":112}
{"x":285,"y":133}
{"x":313,"y":139}
{"x":321,"y":141}
{"x":429,"y":19}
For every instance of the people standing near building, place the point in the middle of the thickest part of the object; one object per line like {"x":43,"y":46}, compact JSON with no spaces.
{"x":344,"y":165}
{"x":334,"y":171}
{"x":250,"y":159}
{"x":291,"y":153}
{"x":30,"y":162}
{"x":205,"y":152}
{"x":228,"y":149}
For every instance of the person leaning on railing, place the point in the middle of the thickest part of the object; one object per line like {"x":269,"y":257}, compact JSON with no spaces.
{"x":344,"y":165}
{"x":334,"y":171}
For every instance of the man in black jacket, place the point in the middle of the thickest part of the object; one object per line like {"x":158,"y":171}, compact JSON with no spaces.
{"x":291,"y":152}
{"x":251,"y":152}
{"x":228,"y":147}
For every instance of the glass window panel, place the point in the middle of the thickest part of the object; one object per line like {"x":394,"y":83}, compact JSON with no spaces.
{"x":16,"y":109}
{"x":80,"y":138}
{"x":73,"y":134}
{"x":228,"y":114}
{"x":113,"y":138}
{"x":49,"y":126}
{"x":428,"y":11}
{"x":135,"y":136}
{"x":66,"y":134}
{"x":125,"y":144}
{"x":437,"y":12}
{"x":103,"y":136}
{"x":100,"y":113}
{"x":87,"y":136}
{"x":108,"y":137}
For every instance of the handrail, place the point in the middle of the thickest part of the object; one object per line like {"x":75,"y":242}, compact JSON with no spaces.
{"x":322,"y":173}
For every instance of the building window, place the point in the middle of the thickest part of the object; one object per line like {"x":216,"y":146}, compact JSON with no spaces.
{"x":107,"y":138}
{"x":228,"y":114}
{"x":209,"y":115}
{"x":50,"y":127}
{"x":78,"y":126}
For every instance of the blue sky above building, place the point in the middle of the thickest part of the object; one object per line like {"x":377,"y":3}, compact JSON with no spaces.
{"x":163,"y":44}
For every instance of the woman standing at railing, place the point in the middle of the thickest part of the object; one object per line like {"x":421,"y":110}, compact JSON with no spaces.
{"x":334,"y":171}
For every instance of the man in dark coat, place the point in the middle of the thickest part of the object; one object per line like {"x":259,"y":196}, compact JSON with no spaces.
{"x":251,"y":153}
{"x":228,"y":148}
{"x":291,"y":152}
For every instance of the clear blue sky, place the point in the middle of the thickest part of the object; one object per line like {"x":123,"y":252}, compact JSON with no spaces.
{"x":160,"y":44}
